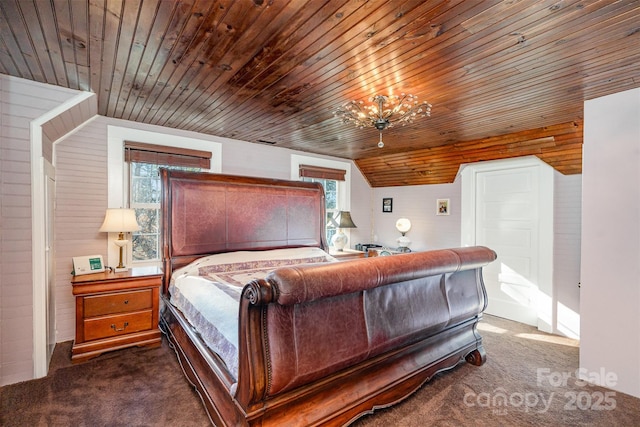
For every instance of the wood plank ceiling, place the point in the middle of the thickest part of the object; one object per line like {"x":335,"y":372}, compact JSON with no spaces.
{"x":505,"y":78}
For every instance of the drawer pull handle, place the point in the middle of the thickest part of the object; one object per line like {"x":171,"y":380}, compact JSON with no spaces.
{"x":126,"y":301}
{"x":113,"y":326}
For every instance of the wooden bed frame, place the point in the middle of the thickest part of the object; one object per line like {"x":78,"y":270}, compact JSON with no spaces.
{"x":318,"y":344}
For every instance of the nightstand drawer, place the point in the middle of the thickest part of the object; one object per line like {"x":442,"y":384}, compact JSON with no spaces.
{"x":110,"y":326}
{"x":122,"y":302}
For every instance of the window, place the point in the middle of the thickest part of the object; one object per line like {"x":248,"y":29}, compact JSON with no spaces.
{"x":333,"y":180}
{"x":331,"y":189}
{"x":145,"y":161}
{"x":145,"y":200}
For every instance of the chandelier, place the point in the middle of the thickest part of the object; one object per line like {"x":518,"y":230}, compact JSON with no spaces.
{"x":386,"y":111}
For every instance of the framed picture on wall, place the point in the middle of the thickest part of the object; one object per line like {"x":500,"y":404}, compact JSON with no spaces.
{"x":442,"y":207}
{"x":387,"y":204}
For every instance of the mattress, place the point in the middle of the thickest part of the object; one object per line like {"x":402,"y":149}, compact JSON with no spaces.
{"x":208,"y":291}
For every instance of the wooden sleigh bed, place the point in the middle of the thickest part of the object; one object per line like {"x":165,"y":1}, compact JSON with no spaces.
{"x":318,"y":342}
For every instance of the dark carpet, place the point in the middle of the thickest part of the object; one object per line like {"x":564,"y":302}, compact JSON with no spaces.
{"x":529,"y":380}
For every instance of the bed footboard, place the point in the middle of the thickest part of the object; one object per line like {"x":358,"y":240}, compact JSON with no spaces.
{"x":328,"y":343}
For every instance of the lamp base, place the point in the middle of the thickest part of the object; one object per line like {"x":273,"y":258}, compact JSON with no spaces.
{"x":403,"y":244}
{"x":121,"y":243}
{"x":339,"y":240}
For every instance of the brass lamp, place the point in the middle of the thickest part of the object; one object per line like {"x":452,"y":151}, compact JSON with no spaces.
{"x":341,"y":220}
{"x":120,"y":221}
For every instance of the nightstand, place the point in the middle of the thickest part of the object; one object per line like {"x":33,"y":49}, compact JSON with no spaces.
{"x":346,"y":254}
{"x":115,"y":311}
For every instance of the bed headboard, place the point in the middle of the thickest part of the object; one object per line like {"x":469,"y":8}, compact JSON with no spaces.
{"x":205,"y":213}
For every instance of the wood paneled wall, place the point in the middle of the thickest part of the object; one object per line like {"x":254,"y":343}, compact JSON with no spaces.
{"x":81,"y":203}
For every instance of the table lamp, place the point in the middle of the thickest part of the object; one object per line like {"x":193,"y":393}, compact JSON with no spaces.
{"x":120,"y":221}
{"x":342,"y":220}
{"x":403,"y":225}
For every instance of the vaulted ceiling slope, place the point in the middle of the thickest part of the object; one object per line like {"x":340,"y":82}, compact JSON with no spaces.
{"x":504,"y":77}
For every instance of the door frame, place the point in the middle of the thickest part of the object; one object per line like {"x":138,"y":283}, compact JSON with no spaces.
{"x":50,"y":258}
{"x":40,"y":169}
{"x":469,"y":174}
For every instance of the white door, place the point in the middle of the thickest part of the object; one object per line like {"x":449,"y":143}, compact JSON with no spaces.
{"x":507,"y":222}
{"x":508,"y":207}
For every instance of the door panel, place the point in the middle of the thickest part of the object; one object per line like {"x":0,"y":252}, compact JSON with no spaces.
{"x":507,"y":222}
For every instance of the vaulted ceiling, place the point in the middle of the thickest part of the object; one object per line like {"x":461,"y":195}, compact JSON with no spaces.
{"x":505,"y":78}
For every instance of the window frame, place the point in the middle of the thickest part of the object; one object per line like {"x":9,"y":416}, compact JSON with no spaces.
{"x":118,"y":172}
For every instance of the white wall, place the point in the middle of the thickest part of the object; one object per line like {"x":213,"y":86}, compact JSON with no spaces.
{"x":21,"y":101}
{"x":610,"y":293}
{"x":418,"y":204}
{"x":81,"y":202}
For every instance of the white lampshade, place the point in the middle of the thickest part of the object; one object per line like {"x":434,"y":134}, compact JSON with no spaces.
{"x":120,"y":220}
{"x":403,"y":225}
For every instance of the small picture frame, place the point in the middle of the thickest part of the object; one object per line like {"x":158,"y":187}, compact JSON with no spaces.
{"x":442,"y":207}
{"x":387,"y":204}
